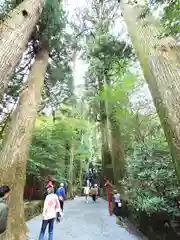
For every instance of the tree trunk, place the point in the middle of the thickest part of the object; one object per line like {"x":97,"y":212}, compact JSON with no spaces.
{"x":15,"y":147}
{"x":80,"y":174}
{"x":114,"y":139}
{"x":105,"y":150}
{"x":71,"y":171}
{"x":81,"y":166}
{"x":159,"y":60}
{"x":66,"y":160}
{"x":117,"y":150}
{"x":107,"y":169}
{"x":15,"y":32}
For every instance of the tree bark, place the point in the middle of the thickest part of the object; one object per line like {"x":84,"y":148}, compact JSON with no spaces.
{"x":117,"y":150}
{"x":71,"y":171}
{"x":107,"y":168}
{"x":114,"y":139}
{"x":159,"y":60}
{"x":15,"y":32}
{"x":15,"y":146}
{"x":105,"y":150}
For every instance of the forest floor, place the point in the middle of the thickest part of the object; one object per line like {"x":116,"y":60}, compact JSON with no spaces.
{"x":86,"y":221}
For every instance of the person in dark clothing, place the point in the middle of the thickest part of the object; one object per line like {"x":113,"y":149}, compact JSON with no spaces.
{"x":61,"y":195}
{"x":94,"y":192}
{"x":4,"y":196}
{"x":117,"y":203}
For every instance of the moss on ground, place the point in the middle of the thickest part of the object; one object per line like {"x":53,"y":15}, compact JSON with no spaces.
{"x":32,"y":209}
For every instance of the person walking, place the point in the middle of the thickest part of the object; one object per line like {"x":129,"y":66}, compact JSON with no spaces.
{"x":61,"y":195}
{"x":4,"y":196}
{"x":51,"y":211}
{"x":94,"y":192}
{"x":86,"y":190}
{"x":117,"y":203}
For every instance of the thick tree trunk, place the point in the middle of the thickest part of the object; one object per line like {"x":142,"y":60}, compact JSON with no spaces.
{"x":107,"y":168}
{"x":160,"y":61}
{"x":114,"y":139}
{"x":15,"y":32}
{"x":15,"y":147}
{"x":117,"y":150}
{"x":105,"y":150}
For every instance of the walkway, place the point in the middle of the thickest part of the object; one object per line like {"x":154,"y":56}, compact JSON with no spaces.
{"x":84,"y":221}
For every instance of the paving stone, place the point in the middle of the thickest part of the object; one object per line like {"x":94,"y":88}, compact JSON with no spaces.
{"x":85,"y":221}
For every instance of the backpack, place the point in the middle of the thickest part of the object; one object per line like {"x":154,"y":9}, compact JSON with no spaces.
{"x":3,"y":216}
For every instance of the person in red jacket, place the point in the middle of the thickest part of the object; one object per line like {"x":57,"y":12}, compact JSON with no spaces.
{"x":50,"y":183}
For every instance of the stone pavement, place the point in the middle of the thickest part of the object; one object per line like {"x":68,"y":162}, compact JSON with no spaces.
{"x":85,"y":221}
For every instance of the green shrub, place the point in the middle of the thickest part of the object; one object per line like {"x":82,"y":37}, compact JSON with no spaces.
{"x":152,"y":184}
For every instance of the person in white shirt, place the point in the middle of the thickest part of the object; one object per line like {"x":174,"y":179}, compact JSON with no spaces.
{"x":51,"y":211}
{"x":117,"y":199}
{"x":86,"y":190}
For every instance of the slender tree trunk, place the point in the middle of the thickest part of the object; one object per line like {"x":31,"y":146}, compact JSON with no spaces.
{"x":160,"y":63}
{"x":15,"y":147}
{"x":15,"y":32}
{"x":71,"y":171}
{"x":81,"y":166}
{"x":66,"y":160}
{"x":80,"y":174}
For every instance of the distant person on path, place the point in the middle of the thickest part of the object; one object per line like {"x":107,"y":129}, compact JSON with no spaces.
{"x":51,"y":211}
{"x":117,"y":202}
{"x":49,"y":184}
{"x":4,"y":196}
{"x":61,"y":195}
{"x":94,"y":192}
{"x":86,"y":190}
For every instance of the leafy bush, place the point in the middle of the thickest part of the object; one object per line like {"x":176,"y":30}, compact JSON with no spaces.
{"x":50,"y":151}
{"x":152,"y":184}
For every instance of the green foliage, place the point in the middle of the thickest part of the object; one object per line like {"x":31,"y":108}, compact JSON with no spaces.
{"x":119,"y":91}
{"x":61,"y":45}
{"x":171,"y":18}
{"x":5,"y":7}
{"x":151,"y":181}
{"x":48,"y":150}
{"x":49,"y":154}
{"x":52,"y":22}
{"x":107,"y":49}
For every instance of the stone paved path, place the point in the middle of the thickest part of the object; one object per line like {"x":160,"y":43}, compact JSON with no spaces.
{"x":85,"y":221}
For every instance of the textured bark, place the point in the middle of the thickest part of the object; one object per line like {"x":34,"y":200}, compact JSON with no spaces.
{"x":15,"y":147}
{"x":117,"y":150}
{"x":114,"y":139}
{"x":160,"y":63}
{"x":105,"y":150}
{"x":15,"y":32}
{"x":107,"y":168}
